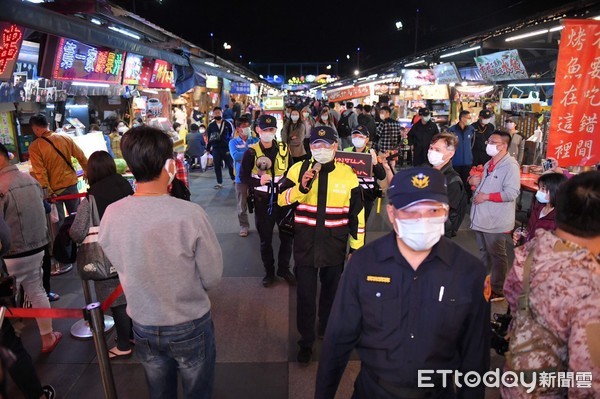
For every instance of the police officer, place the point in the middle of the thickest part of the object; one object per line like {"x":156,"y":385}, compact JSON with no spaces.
{"x":368,"y":185}
{"x":329,"y":213}
{"x":420,"y":135}
{"x":263,"y":166}
{"x":483,"y":129}
{"x":410,"y":301}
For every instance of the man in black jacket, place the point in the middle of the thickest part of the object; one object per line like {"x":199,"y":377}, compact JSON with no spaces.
{"x":365,"y":119}
{"x":219,"y":132}
{"x":420,"y":135}
{"x":483,"y":130}
{"x":440,"y":155}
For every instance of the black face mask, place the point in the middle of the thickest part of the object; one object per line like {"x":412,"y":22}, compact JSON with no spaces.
{"x":218,"y":118}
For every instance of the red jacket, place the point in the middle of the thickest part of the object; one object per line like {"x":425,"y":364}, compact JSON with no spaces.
{"x":548,"y":222}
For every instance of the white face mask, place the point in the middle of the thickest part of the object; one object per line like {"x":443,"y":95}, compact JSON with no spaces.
{"x":324,"y":117}
{"x":267,"y":137}
{"x":420,"y":234}
{"x":510,"y":125}
{"x":171,"y":175}
{"x":426,"y":118}
{"x":246,"y":131}
{"x":382,"y":116}
{"x":323,"y":155}
{"x":486,"y":121}
{"x":435,"y":158}
{"x":491,"y":150}
{"x":295,"y":117}
{"x":122,"y":129}
{"x":541,"y":197}
{"x":202,"y":130}
{"x":359,"y":142}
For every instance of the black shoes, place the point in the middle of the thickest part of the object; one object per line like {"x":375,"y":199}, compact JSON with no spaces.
{"x":49,"y":392}
{"x":268,"y":280}
{"x":287,"y":276}
{"x":304,"y":356}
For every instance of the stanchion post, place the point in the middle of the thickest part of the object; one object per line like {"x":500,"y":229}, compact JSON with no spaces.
{"x":96,"y":320}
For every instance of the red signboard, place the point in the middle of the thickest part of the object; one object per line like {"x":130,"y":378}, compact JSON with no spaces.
{"x":349,"y":93}
{"x":81,"y":62}
{"x":573,"y":137}
{"x":12,"y":37}
{"x":162,"y":76}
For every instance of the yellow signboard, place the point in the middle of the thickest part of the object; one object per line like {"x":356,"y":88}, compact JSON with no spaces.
{"x":274,"y":104}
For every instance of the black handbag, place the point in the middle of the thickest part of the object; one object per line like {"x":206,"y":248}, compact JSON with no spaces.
{"x":92,"y":263}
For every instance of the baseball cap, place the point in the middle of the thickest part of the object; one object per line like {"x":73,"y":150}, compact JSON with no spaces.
{"x":360,"y":129}
{"x":424,"y":112}
{"x":267,"y":122}
{"x":410,"y":186}
{"x":485,"y":113}
{"x":323,"y":133}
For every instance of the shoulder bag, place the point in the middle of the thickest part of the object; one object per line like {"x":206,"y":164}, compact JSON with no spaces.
{"x":59,"y":153}
{"x":92,"y":264}
{"x":533,"y":348}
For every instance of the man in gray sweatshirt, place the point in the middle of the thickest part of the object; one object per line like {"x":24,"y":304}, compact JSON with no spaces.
{"x":168,"y":257}
{"x":493,"y":209}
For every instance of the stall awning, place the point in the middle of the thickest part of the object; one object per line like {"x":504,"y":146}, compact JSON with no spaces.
{"x":43,"y":20}
{"x":200,"y":66}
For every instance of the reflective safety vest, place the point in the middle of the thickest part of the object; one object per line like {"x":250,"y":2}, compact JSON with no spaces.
{"x":329,"y":216}
{"x":279,"y":167}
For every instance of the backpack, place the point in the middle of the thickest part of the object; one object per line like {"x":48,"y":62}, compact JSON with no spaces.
{"x":462,"y":206}
{"x":343,"y":126}
{"x":64,"y":249}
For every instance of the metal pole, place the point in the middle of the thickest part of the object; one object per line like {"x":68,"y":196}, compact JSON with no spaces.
{"x":94,"y":314}
{"x":81,"y":329}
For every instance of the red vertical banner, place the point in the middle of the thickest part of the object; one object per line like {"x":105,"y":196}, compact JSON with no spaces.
{"x":574,"y":137}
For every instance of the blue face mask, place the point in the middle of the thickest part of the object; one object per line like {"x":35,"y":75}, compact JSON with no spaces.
{"x":542,"y":197}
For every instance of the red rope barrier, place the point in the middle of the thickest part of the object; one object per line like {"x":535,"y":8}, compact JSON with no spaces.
{"x":60,"y":313}
{"x":67,"y":197}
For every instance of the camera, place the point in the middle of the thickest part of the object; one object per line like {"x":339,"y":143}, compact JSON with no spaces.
{"x":499,"y":330}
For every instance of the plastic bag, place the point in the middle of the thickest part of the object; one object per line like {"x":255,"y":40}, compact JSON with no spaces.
{"x":204,"y":161}
{"x":54,"y":213}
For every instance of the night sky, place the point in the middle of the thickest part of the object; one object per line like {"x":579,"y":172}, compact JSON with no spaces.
{"x":325,"y":31}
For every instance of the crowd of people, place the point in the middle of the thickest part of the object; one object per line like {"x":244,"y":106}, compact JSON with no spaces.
{"x":409,"y":301}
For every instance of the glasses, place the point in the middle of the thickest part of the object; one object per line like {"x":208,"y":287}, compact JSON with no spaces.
{"x":422,"y":212}
{"x":493,"y":142}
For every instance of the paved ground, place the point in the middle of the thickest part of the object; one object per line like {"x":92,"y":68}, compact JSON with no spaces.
{"x":255,"y":327}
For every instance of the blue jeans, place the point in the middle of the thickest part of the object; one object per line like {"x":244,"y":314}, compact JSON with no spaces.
{"x":188,"y":348}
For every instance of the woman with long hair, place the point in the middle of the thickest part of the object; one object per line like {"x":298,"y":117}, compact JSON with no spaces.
{"x":293,"y":135}
{"x":107,"y":186}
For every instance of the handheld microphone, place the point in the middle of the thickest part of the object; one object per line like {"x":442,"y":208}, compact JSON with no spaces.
{"x":316,"y":168}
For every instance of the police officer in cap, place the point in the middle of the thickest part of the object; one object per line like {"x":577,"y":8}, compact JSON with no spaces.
{"x":483,"y":130}
{"x":329,"y":216}
{"x":420,"y":135}
{"x":410,"y":301}
{"x":263,"y":166}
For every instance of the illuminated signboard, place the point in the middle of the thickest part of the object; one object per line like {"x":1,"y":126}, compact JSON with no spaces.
{"x":133,"y":69}
{"x":78,"y":61}
{"x":162,"y":76}
{"x":418,"y":77}
{"x":12,"y":37}
{"x":240,"y":88}
{"x":212,"y":82}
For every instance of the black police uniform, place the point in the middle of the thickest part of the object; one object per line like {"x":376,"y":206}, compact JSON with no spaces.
{"x":481,"y":135}
{"x":402,"y":320}
{"x":265,"y":220}
{"x":420,"y":136}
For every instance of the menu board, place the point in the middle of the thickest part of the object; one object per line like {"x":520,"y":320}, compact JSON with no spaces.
{"x":162,"y":76}
{"x":133,"y":69}
{"x":78,"y":61}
